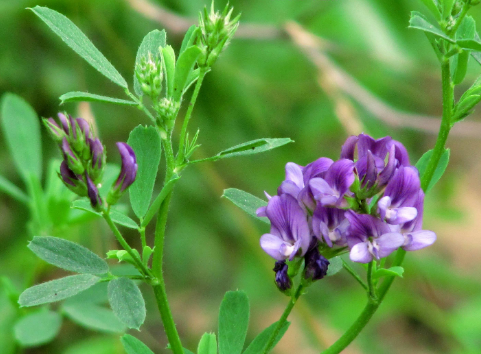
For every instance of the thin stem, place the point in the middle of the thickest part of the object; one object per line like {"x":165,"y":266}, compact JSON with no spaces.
{"x":372,"y":305}
{"x":143,"y":239}
{"x":370,"y":285}
{"x":460,"y":18}
{"x":354,"y":274}
{"x":140,"y":105}
{"x":283,"y":319}
{"x":183,"y":133}
{"x":124,"y":244}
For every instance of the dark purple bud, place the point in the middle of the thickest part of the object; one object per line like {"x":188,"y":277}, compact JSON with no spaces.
{"x":93,"y":194}
{"x":71,"y":180}
{"x":282,"y":278}
{"x":71,"y":158}
{"x":316,"y":265}
{"x":96,"y":151}
{"x":129,"y":167}
{"x":65,"y":123}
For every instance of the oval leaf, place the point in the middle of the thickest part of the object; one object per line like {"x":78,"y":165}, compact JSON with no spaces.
{"x":116,"y":216}
{"x":246,"y":202}
{"x":189,"y":38}
{"x":22,"y":131}
{"x":152,"y":43}
{"x":168,"y":63}
{"x":438,"y":173}
{"x":418,"y":21}
{"x":259,"y":342}
{"x":146,"y":144}
{"x":183,"y":68}
{"x":93,"y":317}
{"x":79,"y":42}
{"x":56,"y":290}
{"x":335,"y":266}
{"x":233,"y":322}
{"x":127,"y":302}
{"x":207,"y":344}
{"x":67,"y":255}
{"x":134,"y":346}
{"x":37,"y":328}
{"x":77,"y":96}
{"x":393,"y":271}
{"x":159,"y":199}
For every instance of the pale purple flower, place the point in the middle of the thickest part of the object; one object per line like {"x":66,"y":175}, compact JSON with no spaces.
{"x":369,"y":238}
{"x":316,"y":265}
{"x":331,"y":189}
{"x":401,"y":193}
{"x":283,"y":281}
{"x":330,"y":225}
{"x":289,"y":235}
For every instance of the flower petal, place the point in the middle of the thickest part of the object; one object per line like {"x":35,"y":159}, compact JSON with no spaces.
{"x":294,"y":174}
{"x":273,"y":246}
{"x":360,"y":253}
{"x":388,"y":243}
{"x":419,"y":239}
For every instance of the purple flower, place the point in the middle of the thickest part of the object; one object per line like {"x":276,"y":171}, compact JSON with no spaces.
{"x":316,"y":265}
{"x":290,"y":234}
{"x":369,"y":238}
{"x":283,"y":281}
{"x":71,"y":180}
{"x":330,"y":225}
{"x":331,"y":189}
{"x":129,"y":168}
{"x":93,"y":194}
{"x":397,"y":205}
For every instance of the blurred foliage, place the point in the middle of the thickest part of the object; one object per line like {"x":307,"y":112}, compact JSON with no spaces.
{"x":258,"y":88}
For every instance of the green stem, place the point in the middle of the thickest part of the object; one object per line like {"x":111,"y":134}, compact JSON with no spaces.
{"x":370,"y":285}
{"x":372,"y":305}
{"x":143,"y":239}
{"x":193,"y":99}
{"x":283,"y":319}
{"x":124,"y":244}
{"x":460,"y":18}
{"x":140,"y":105}
{"x":354,"y":274}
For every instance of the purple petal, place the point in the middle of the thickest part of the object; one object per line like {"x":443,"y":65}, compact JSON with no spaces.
{"x":261,"y":212}
{"x":320,"y":187}
{"x":363,"y":226}
{"x":403,"y":187}
{"x":84,"y":127}
{"x":401,"y":215}
{"x":64,"y":121}
{"x":289,"y":187}
{"x":93,"y":194}
{"x":68,"y":176}
{"x":275,"y":247}
{"x":377,"y":147}
{"x":347,"y":150}
{"x":388,"y":243}
{"x":419,"y":239}
{"x":360,"y":253}
{"x":417,"y":223}
{"x":401,"y":154}
{"x":316,"y":169}
{"x":294,"y":174}
{"x":128,"y":171}
{"x":388,"y":171}
{"x":340,"y":176}
{"x":382,"y":205}
{"x":367,"y":170}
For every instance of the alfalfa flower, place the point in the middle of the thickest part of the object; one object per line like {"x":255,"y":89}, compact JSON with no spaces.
{"x":127,"y":175}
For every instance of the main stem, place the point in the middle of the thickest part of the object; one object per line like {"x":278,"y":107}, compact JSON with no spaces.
{"x":157,"y":260}
{"x":283,"y":319}
{"x":372,"y":305}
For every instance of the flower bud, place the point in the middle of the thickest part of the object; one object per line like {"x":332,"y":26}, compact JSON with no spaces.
{"x":150,"y":75}
{"x":71,"y":158}
{"x":93,"y":194}
{"x":54,"y":129}
{"x":65,"y":123}
{"x":283,"y":281}
{"x":72,"y":181}
{"x":96,"y":167}
{"x":316,"y":265}
{"x":127,"y":174}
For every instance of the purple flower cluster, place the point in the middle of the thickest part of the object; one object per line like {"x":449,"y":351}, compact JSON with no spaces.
{"x":369,"y":202}
{"x":84,"y":158}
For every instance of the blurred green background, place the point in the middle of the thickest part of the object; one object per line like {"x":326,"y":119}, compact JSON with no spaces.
{"x":314,"y":71}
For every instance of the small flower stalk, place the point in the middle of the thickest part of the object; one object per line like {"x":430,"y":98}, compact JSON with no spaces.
{"x":84,"y":160}
{"x":368,"y":203}
{"x":217,"y":30}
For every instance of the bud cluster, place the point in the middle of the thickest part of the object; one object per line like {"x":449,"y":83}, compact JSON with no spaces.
{"x":84,"y":159}
{"x":150,"y":75}
{"x":167,"y":109}
{"x":217,"y":29}
{"x":369,"y":203}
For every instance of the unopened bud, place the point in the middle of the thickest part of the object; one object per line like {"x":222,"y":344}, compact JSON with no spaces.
{"x":127,"y":174}
{"x":72,"y":181}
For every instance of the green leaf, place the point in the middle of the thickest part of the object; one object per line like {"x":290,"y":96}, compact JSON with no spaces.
{"x":418,"y":21}
{"x":432,"y":8}
{"x":37,"y":328}
{"x":77,"y":96}
{"x":146,"y":143}
{"x":152,"y":43}
{"x":389,"y":272}
{"x":183,"y":68}
{"x":134,"y":346}
{"x":93,"y":317}
{"x":460,"y":63}
{"x":117,"y":217}
{"x":465,"y":107}
{"x":245,"y":201}
{"x":469,"y":44}
{"x":12,"y":190}
{"x":127,"y":302}
{"x":67,"y":255}
{"x":335,"y":266}
{"x":79,"y":42}
{"x":56,"y":290}
{"x":259,"y":342}
{"x":21,"y":128}
{"x":168,"y":61}
{"x":447,"y":7}
{"x":159,"y":199}
{"x":467,"y":29}
{"x":233,"y":322}
{"x":189,"y":38}
{"x":438,"y":173}
{"x":207,"y":344}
